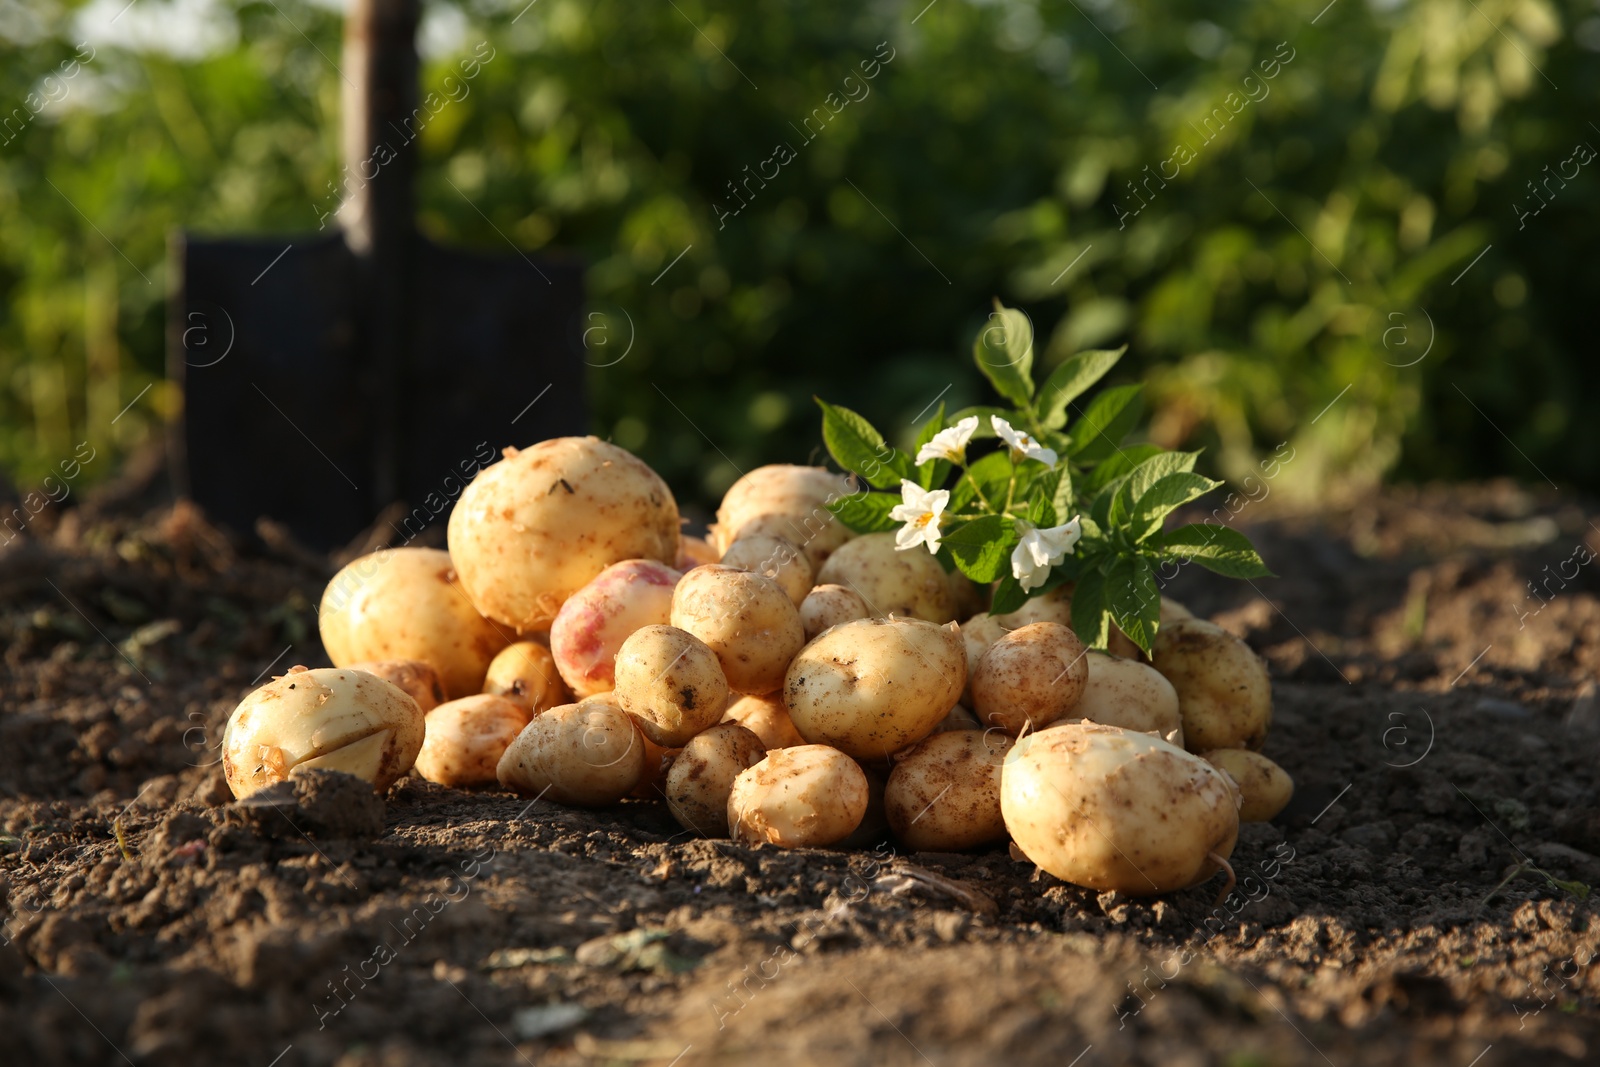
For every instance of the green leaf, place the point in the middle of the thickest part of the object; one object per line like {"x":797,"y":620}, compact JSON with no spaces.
{"x":993,"y":474}
{"x":1061,"y":499}
{"x":1153,"y":469}
{"x":1071,"y":380}
{"x":935,"y":472}
{"x":1107,"y":420}
{"x":1008,"y":597}
{"x":1134,"y":599}
{"x":1116,"y":465}
{"x":866,"y":512}
{"x":1217,"y":548}
{"x":1089,"y":617}
{"x":857,"y":447}
{"x":1003,"y":351}
{"x":1169,"y":492}
{"x":982,"y":547}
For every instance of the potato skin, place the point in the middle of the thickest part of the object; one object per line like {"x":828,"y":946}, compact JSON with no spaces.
{"x":767,"y":718}
{"x":533,"y":529}
{"x":415,"y":678}
{"x":671,"y":683}
{"x":464,"y":739}
{"x":784,"y":501}
{"x":749,"y":622}
{"x":525,"y":671}
{"x":1224,"y":692}
{"x":1035,"y":673}
{"x":1107,"y":808}
{"x":701,"y":778}
{"x":872,"y":687}
{"x":695,"y":552}
{"x":1132,"y":695}
{"x":830,"y":605}
{"x":776,"y":558}
{"x":594,"y":622}
{"x":804,"y":797}
{"x":1266,"y":788}
{"x":944,"y":792}
{"x":889,"y":581}
{"x":409,"y":604}
{"x":587,"y":754}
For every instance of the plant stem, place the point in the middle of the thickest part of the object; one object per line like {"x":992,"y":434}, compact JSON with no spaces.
{"x":967,"y":474}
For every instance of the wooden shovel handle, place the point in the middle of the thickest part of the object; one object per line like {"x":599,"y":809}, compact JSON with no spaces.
{"x":380,"y":99}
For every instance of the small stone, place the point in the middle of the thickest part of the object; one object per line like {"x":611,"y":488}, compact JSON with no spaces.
{"x":530,"y":1023}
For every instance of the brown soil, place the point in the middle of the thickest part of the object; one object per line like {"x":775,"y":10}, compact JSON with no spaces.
{"x":1423,"y":900}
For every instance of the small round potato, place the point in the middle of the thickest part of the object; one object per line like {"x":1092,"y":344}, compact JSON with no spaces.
{"x":749,"y":622}
{"x":408,"y":603}
{"x":332,"y":718}
{"x":525,"y":671}
{"x":767,"y":718}
{"x":465,"y":739}
{"x":1134,"y":696}
{"x":872,"y":687}
{"x":1107,"y":808}
{"x":695,"y":552}
{"x":1034,"y":674}
{"x":671,"y":683}
{"x":538,"y":526}
{"x":1265,"y":786}
{"x":701,"y":778}
{"x":1224,"y":693}
{"x":805,"y":797}
{"x":889,"y":581}
{"x":595,"y":620}
{"x":944,"y":792}
{"x":587,"y":754}
{"x":784,"y":501}
{"x":1172,"y":611}
{"x":830,"y":605}
{"x":776,"y":558}
{"x":415,"y":678}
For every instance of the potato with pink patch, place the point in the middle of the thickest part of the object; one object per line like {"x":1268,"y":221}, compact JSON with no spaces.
{"x":593,"y":623}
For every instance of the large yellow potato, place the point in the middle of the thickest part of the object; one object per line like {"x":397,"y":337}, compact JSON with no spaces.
{"x":1108,"y":808}
{"x":1265,"y":787}
{"x":593,"y":623}
{"x":749,"y":622}
{"x":525,"y":671}
{"x":701,"y":777}
{"x":671,"y":683}
{"x":1033,"y":675}
{"x":587,"y":754}
{"x":409,"y":603}
{"x":415,"y":678}
{"x":1132,"y":695}
{"x":889,"y":581}
{"x":872,"y":687}
{"x":944,"y":792}
{"x":465,"y":739}
{"x":776,"y":558}
{"x":784,"y":501}
{"x":1224,"y":692}
{"x":536,"y":527}
{"x":331,"y":718}
{"x":804,"y":797}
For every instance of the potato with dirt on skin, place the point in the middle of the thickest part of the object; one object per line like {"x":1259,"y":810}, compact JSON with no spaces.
{"x":331,"y":718}
{"x":671,"y":683}
{"x":890,"y":581}
{"x":805,"y":797}
{"x":1266,"y":788}
{"x":830,"y":605}
{"x":536,"y":527}
{"x":767,"y":718}
{"x":749,"y":622}
{"x":695,"y":552}
{"x":408,"y":604}
{"x":587,"y":754}
{"x":464,"y":739}
{"x":786,"y":501}
{"x":415,"y":678}
{"x":776,"y":558}
{"x":1224,"y":692}
{"x":944,"y":792}
{"x":701,"y":778}
{"x":594,"y":622}
{"x":1034,"y":674}
{"x":1114,"y":809}
{"x":872,"y":687}
{"x":525,"y":671}
{"x":1132,"y":695}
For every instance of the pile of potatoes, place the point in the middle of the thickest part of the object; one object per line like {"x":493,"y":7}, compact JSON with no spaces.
{"x":781,"y":681}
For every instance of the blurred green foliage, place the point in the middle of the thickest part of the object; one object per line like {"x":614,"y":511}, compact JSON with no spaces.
{"x":1310,"y":248}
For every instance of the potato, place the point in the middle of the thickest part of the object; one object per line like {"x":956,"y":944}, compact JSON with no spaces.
{"x":965,"y":595}
{"x":958,"y":719}
{"x":657,"y":762}
{"x":889,"y":581}
{"x":695,"y":552}
{"x":1266,"y":788}
{"x":525,"y":671}
{"x":1034,"y":674}
{"x":533,"y":529}
{"x":944,"y":792}
{"x":595,"y":620}
{"x":767,"y":718}
{"x":804,"y":797}
{"x":776,"y":558}
{"x":408,"y":603}
{"x":1134,"y":696}
{"x":671,"y":683}
{"x":465,"y":739}
{"x":830,"y":605}
{"x":701,"y":778}
{"x":1113,"y":809}
{"x":587,"y":754}
{"x":1224,"y":693}
{"x":873,"y":828}
{"x":415,"y":678}
{"x":873,"y":687}
{"x":784,"y":501}
{"x":749,"y":622}
{"x":331,"y":718}
{"x":1172,"y":611}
